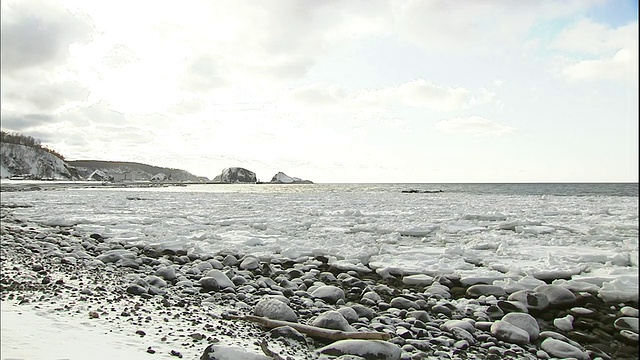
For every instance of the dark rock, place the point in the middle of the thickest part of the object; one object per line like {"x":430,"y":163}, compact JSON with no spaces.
{"x":275,"y":309}
{"x":363,"y":311}
{"x":136,"y":289}
{"x":332,"y":320}
{"x":287,"y":332}
{"x":209,"y":284}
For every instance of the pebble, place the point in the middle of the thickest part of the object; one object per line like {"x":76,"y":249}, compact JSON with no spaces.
{"x":249,"y":263}
{"x":462,"y":334}
{"x":349,"y":314}
{"x":441,"y":309}
{"x":438,"y":290}
{"x":486,"y":290}
{"x":417,"y":280}
{"x":561,"y":349}
{"x":557,"y":295}
{"x":209,"y":283}
{"x":626,"y":323}
{"x":363,"y":311}
{"x":564,"y":323}
{"x":582,"y":312}
{"x":368,"y":349}
{"x":463,"y":324}
{"x":512,"y":306}
{"x":287,"y":332}
{"x":328,"y":293}
{"x":507,"y":332}
{"x":629,"y":311}
{"x":222,"y":279}
{"x":630,"y":336}
{"x":525,"y":322}
{"x":168,"y":273}
{"x":275,"y":309}
{"x":532,"y":300}
{"x":229,"y":260}
{"x":220,"y":352}
{"x":332,"y":320}
{"x":402,"y":303}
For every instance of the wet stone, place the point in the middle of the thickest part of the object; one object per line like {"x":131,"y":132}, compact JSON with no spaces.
{"x":525,"y":322}
{"x":328,"y":293}
{"x":440,"y":309}
{"x":629,"y":311}
{"x":507,"y":332}
{"x":275,"y":309}
{"x":512,"y":306}
{"x":349,"y":314}
{"x":532,"y":300}
{"x":564,"y":323}
{"x":582,"y":312}
{"x":627,"y":323}
{"x":249,"y":263}
{"x":209,"y":284}
{"x":561,"y":349}
{"x":402,"y":303}
{"x":287,"y":332}
{"x":478,"y":290}
{"x":136,"y":289}
{"x":229,"y":260}
{"x":332,"y":320}
{"x":557,"y":295}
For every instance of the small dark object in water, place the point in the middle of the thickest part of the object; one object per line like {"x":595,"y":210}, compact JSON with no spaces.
{"x":416,"y":191}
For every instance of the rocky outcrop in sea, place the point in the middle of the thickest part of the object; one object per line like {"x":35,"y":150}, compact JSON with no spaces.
{"x":282,"y":178}
{"x":206,"y":306}
{"x":236,"y":175}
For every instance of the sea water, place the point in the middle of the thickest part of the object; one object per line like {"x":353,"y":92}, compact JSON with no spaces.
{"x":585,"y":235}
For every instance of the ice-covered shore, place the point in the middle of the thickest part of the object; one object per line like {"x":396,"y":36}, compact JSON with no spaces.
{"x":152,"y":301}
{"x":583,"y":242}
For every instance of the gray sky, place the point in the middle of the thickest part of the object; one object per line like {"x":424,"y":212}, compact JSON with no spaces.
{"x":331,"y":91}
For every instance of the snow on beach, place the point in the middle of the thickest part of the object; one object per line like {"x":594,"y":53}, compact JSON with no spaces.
{"x":589,"y":241}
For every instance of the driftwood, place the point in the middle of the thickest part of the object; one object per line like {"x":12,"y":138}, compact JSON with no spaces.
{"x":315,"y":331}
{"x":272,"y":354}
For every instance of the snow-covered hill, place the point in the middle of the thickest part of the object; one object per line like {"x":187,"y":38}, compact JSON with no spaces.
{"x":35,"y":163}
{"x":31,"y":162}
{"x":132,"y":171}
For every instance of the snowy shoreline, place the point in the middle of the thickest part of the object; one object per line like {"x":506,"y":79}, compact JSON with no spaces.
{"x":78,"y":279}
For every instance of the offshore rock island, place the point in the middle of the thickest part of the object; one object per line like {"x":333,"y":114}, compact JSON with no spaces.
{"x":238,"y":175}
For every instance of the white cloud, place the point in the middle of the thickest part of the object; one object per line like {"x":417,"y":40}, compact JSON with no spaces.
{"x":588,"y":37}
{"x":421,"y":93}
{"x":475,"y":125}
{"x":318,"y":95}
{"x":418,"y":93}
{"x":598,"y":52}
{"x":622,"y":66}
{"x":37,"y":34}
{"x":478,"y":27}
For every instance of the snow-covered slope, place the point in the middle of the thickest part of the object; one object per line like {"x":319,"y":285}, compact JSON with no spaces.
{"x":120,"y":170}
{"x":282,"y":178}
{"x":21,"y":160}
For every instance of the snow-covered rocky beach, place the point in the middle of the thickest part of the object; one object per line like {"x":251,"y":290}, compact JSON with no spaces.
{"x":170,"y":272}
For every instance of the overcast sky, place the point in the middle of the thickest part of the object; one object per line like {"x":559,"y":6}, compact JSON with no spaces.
{"x":331,"y":91}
